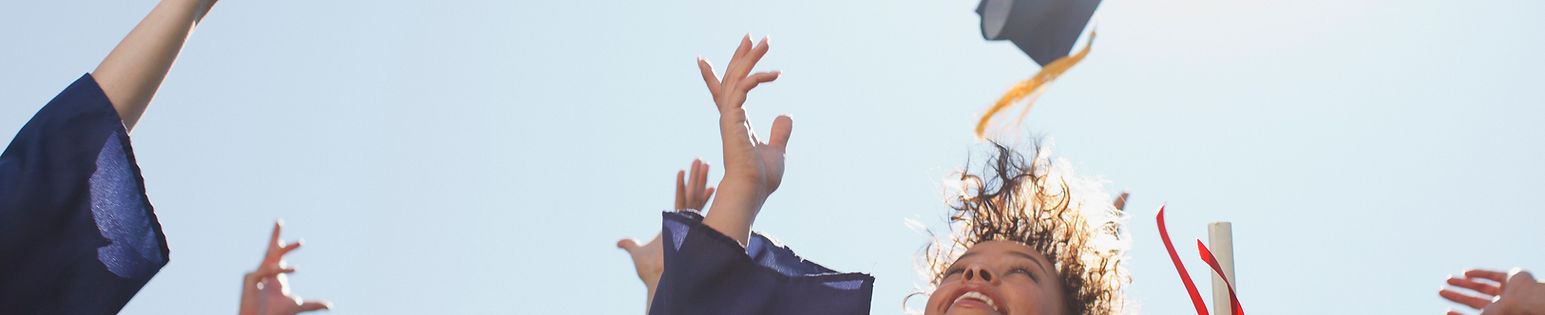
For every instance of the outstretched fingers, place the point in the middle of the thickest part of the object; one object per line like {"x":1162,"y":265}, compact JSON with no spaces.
{"x":737,"y":79}
{"x":757,"y":79}
{"x":1466,"y":299}
{"x":1478,"y":286}
{"x":699,"y":175}
{"x":274,"y":238}
{"x":286,"y":249}
{"x":681,"y":190}
{"x":736,"y":62}
{"x":1492,"y":275}
{"x":744,"y":62}
{"x":709,"y":77}
{"x":695,"y":182}
{"x":266,"y":272}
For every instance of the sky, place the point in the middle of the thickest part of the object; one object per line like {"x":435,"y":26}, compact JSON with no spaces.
{"x":482,"y":157}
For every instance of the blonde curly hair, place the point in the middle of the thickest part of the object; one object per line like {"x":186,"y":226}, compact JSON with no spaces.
{"x":1041,"y":204}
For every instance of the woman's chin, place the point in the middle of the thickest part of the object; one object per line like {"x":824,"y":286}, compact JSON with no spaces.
{"x":970,"y":307}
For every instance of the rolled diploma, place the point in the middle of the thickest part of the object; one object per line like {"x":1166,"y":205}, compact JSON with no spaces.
{"x":1220,"y":239}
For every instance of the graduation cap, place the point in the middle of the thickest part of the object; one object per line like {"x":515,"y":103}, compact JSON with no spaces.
{"x":1043,"y":29}
{"x":1046,"y":31}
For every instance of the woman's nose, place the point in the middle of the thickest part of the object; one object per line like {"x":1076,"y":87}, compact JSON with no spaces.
{"x":977,"y":272}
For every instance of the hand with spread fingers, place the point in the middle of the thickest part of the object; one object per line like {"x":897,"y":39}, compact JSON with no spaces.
{"x":692,"y":193}
{"x":1511,"y":293}
{"x":266,"y":291}
{"x":753,"y":169}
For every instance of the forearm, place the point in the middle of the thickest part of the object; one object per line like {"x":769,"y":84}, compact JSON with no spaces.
{"x":734,"y":208}
{"x":133,"y":71}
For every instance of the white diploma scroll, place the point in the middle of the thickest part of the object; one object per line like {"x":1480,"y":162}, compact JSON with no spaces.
{"x":1220,"y":239}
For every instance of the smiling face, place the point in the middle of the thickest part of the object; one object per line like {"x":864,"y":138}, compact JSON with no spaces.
{"x":998,"y":277}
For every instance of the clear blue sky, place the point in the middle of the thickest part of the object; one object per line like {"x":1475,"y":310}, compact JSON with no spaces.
{"x":482,"y":156}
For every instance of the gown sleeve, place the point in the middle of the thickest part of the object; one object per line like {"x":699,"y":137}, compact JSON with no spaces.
{"x":709,"y":273}
{"x":77,"y":232}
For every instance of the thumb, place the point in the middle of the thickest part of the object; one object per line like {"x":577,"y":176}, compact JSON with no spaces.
{"x":315,"y":305}
{"x":627,"y":244}
{"x":781,"y":128}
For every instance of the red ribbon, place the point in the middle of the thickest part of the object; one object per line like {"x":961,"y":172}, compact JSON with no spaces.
{"x":1213,"y":261}
{"x":1196,"y":297}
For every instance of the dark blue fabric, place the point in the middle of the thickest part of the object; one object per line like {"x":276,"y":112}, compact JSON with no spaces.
{"x":709,"y":273}
{"x":77,"y":233}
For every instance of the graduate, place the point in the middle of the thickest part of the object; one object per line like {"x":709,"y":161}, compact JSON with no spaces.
{"x":78,"y":234}
{"x":1028,"y":237}
{"x":714,"y":263}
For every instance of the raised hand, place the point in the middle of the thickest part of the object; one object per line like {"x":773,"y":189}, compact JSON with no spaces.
{"x":694,"y":193}
{"x":648,"y":259}
{"x":1512,"y":293}
{"x":266,"y":291}
{"x":753,"y":169}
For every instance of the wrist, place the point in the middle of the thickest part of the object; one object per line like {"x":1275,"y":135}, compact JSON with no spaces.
{"x":200,"y":9}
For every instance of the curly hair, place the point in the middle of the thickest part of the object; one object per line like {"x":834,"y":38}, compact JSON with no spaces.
{"x":1039,"y":203}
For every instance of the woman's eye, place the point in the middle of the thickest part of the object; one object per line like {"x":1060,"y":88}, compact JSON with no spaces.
{"x":1025,"y":271}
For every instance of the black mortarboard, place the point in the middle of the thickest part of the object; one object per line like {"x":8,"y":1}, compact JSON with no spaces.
{"x":1043,"y":29}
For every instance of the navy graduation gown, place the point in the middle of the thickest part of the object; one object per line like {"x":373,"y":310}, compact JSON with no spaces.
{"x":707,"y":272}
{"x":77,"y":233}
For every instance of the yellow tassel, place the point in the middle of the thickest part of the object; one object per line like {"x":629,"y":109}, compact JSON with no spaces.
{"x":1031,"y":88}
